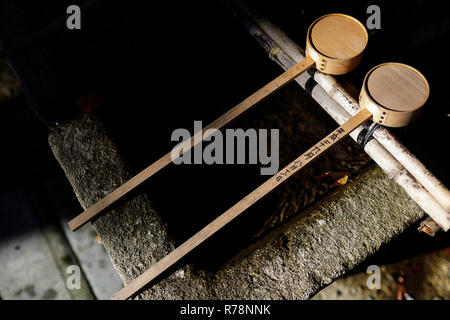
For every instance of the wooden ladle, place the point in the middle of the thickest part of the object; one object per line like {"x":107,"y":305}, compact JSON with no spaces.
{"x":392,"y":95}
{"x":335,"y":44}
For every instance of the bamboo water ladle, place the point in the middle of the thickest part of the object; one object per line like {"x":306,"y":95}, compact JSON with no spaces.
{"x":334,"y":44}
{"x":392,"y":95}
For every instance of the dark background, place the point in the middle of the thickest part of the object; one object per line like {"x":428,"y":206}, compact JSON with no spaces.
{"x":160,"y":66}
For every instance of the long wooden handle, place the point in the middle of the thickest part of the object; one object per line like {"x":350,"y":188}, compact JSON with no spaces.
{"x":144,"y":279}
{"x":252,"y":100}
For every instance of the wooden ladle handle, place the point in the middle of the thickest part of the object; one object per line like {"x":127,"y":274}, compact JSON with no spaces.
{"x":233,"y":113}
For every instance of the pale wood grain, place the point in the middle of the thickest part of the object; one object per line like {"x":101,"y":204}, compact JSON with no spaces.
{"x":398,"y":87}
{"x":394,"y":93}
{"x":336,"y":42}
{"x":339,"y":37}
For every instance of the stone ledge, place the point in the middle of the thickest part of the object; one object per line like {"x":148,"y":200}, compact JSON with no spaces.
{"x":293,"y":262}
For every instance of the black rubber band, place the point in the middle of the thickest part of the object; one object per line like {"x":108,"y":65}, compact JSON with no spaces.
{"x":312,"y":72}
{"x":366,"y":135}
{"x":310,"y":84}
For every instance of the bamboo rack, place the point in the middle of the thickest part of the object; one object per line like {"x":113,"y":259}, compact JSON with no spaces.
{"x":386,"y":150}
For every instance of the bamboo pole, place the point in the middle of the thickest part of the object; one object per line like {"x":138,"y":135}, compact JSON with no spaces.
{"x":389,"y":153}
